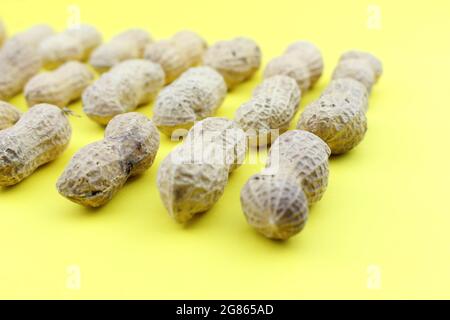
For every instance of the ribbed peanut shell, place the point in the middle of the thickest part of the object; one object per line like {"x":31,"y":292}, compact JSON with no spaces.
{"x":272,"y":107}
{"x":99,"y":170}
{"x":9,"y":115}
{"x":122,"y":89}
{"x":127,"y":45}
{"x":236,"y":60}
{"x":2,"y":33}
{"x":310,"y":54}
{"x":177,"y":54}
{"x":40,"y":136}
{"x":347,"y":88}
{"x":357,"y":69}
{"x":192,"y":97}
{"x":193,"y":176}
{"x":59,"y":87}
{"x":341,"y":123}
{"x":376,"y":64}
{"x":291,"y":66}
{"x":75,"y":43}
{"x":305,"y":156}
{"x":19,"y":60}
{"x":275,"y":201}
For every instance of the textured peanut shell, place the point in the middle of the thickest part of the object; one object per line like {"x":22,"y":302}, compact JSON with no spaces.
{"x":59,"y":87}
{"x":275,"y":202}
{"x":291,"y":66}
{"x":99,"y":170}
{"x":39,"y":137}
{"x":236,"y":60}
{"x":9,"y":115}
{"x":122,"y":89}
{"x":19,"y":60}
{"x":340,"y":122}
{"x":347,"y":88}
{"x":272,"y":107}
{"x":357,"y":69}
{"x":193,"y":176}
{"x":376,"y":64}
{"x":177,"y":54}
{"x":192,"y":97}
{"x":75,"y":43}
{"x":127,"y":45}
{"x":310,"y":55}
{"x":2,"y":33}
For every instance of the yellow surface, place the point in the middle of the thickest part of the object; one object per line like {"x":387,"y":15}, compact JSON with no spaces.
{"x":381,"y":230}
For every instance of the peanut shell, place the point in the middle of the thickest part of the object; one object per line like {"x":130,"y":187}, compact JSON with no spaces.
{"x":9,"y":115}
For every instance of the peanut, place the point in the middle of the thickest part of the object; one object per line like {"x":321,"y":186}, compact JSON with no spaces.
{"x":39,"y":137}
{"x":75,"y":43}
{"x":194,"y":96}
{"x":99,"y":170}
{"x":272,"y":107}
{"x":237,"y":59}
{"x":19,"y":60}
{"x":301,"y":61}
{"x":9,"y":115}
{"x":2,"y":33}
{"x":124,"y":46}
{"x":361,"y":66}
{"x":59,"y":87}
{"x":193,"y":176}
{"x":177,"y":54}
{"x":122,"y":89}
{"x":338,"y":116}
{"x":275,"y":201}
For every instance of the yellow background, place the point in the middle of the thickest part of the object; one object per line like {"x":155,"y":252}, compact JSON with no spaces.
{"x":385,"y":216}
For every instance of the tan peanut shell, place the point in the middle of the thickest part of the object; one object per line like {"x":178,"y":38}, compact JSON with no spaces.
{"x":236,"y":60}
{"x":127,"y":45}
{"x":337,"y":117}
{"x":59,"y":87}
{"x":301,"y":61}
{"x":75,"y":43}
{"x":40,"y":136}
{"x":375,"y":63}
{"x":357,"y":69}
{"x":122,"y":89}
{"x":177,"y":54}
{"x":192,"y":97}
{"x":310,"y":55}
{"x":2,"y":33}
{"x":99,"y":170}
{"x":19,"y":60}
{"x":9,"y":115}
{"x":193,"y":176}
{"x":275,"y":202}
{"x":271,"y":109}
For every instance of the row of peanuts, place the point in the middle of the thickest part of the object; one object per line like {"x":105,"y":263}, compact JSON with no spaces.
{"x":193,"y":176}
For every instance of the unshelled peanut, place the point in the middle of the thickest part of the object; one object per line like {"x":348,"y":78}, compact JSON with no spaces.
{"x":19,"y":60}
{"x":193,"y":176}
{"x":192,"y":97}
{"x":361,"y":66}
{"x":127,"y":45}
{"x":75,"y":43}
{"x":236,"y":60}
{"x":9,"y":115}
{"x":122,"y":89}
{"x":177,"y":54}
{"x":301,"y":61}
{"x":276,"y":201}
{"x":40,"y":136}
{"x":270,"y":111}
{"x":99,"y":170}
{"x":59,"y":87}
